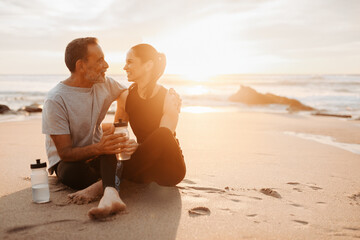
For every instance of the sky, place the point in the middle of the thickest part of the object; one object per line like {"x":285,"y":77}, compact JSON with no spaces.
{"x":199,"y":37}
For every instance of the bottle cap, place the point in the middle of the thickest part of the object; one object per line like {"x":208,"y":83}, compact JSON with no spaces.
{"x":38,"y":164}
{"x":120,"y":123}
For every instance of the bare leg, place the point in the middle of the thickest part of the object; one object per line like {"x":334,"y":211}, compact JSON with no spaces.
{"x":110,"y":203}
{"x":87,"y":195}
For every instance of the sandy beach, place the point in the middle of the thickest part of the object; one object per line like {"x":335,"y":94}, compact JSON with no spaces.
{"x":249,"y":176}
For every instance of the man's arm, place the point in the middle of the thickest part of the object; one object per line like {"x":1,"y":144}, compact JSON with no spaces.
{"x":109,"y":144}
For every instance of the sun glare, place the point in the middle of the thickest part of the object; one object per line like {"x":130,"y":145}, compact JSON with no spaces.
{"x":197,"y":76}
{"x":200,"y":50}
{"x":196,"y":90}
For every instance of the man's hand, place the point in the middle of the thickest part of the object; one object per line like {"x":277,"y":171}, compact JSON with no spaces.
{"x":175,"y":99}
{"x":171,"y":110}
{"x":111,"y":143}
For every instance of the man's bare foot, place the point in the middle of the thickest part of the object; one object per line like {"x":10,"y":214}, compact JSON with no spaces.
{"x":87,"y":195}
{"x":110,"y":203}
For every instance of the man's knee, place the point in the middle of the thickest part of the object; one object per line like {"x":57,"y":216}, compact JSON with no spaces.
{"x":76,"y":175}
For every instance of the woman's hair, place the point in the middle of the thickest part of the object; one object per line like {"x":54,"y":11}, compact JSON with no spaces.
{"x":77,"y":49}
{"x":146,"y":52}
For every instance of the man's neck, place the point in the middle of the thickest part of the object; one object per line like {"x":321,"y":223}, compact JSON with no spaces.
{"x":76,"y":80}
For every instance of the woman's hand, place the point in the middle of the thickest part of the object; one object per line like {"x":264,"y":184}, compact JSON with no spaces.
{"x":130,"y":147}
{"x":108,"y":128}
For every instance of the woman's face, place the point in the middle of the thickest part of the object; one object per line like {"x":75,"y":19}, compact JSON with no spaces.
{"x":134,"y":68}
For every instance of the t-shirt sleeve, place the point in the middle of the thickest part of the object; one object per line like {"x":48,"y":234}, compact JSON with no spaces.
{"x":115,"y":88}
{"x":54,"y":118}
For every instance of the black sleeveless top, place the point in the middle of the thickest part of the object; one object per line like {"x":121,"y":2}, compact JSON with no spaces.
{"x":144,"y":114}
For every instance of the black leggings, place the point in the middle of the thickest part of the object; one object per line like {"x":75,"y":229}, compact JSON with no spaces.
{"x":158,"y":159}
{"x":79,"y":175}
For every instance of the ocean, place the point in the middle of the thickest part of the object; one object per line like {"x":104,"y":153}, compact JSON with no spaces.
{"x":333,"y":94}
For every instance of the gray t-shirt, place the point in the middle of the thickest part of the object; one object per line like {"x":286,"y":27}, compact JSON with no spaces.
{"x":78,"y":112}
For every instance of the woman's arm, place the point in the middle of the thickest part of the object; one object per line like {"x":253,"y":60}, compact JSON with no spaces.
{"x":131,"y":145}
{"x":120,"y":109}
{"x":171,"y":110}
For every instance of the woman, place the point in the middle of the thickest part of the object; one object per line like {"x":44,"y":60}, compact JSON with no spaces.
{"x":153,"y":116}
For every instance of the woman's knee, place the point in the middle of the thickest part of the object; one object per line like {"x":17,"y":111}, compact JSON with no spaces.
{"x":174,"y":177}
{"x":164,"y":132}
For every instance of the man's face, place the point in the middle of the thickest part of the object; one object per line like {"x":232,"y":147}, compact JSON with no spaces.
{"x":95,"y":65}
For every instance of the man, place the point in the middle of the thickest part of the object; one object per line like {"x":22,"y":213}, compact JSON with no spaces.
{"x":78,"y":150}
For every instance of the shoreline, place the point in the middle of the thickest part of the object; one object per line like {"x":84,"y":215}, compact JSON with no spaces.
{"x":198,"y":109}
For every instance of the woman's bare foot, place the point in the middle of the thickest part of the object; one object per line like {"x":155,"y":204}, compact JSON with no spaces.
{"x":110,"y":203}
{"x":87,"y":195}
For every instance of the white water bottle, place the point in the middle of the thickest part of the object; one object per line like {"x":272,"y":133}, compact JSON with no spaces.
{"x":121,"y":127}
{"x":39,"y":182}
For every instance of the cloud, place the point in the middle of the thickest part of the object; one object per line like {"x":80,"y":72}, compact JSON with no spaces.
{"x":282,"y":27}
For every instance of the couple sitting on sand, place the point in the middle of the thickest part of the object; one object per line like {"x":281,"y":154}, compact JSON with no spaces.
{"x":83,"y":154}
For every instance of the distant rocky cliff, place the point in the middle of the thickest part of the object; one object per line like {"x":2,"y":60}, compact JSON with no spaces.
{"x":249,"y":96}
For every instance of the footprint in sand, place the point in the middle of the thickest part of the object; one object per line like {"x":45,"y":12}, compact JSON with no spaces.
{"x":228,"y":210}
{"x":205,"y":189}
{"x":256,"y":198}
{"x":192,"y":194}
{"x":251,"y":215}
{"x":296,"y":205}
{"x":188,"y":181}
{"x":297,"y":189}
{"x":270,"y":192}
{"x":352,"y":228}
{"x":199,"y":211}
{"x":315,"y":187}
{"x":355,"y":197}
{"x":293,"y":183}
{"x":301,"y":222}
{"x":209,"y":189}
{"x":234,"y":194}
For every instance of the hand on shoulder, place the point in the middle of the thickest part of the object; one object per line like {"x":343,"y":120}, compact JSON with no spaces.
{"x":172,"y":103}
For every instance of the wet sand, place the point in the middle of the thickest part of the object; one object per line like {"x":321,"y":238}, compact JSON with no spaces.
{"x":247,"y":178}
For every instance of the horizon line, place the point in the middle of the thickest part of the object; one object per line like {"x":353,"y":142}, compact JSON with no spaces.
{"x":183,"y":74}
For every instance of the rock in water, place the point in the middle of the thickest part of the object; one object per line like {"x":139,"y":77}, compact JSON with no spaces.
{"x":249,"y":96}
{"x":4,"y":108}
{"x":33,"y":108}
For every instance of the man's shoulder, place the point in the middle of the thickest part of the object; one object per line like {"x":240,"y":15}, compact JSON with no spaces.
{"x":112,"y":87}
{"x":112,"y":82}
{"x":55,"y":92}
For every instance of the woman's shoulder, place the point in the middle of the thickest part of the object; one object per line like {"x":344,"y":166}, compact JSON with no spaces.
{"x":133,"y":87}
